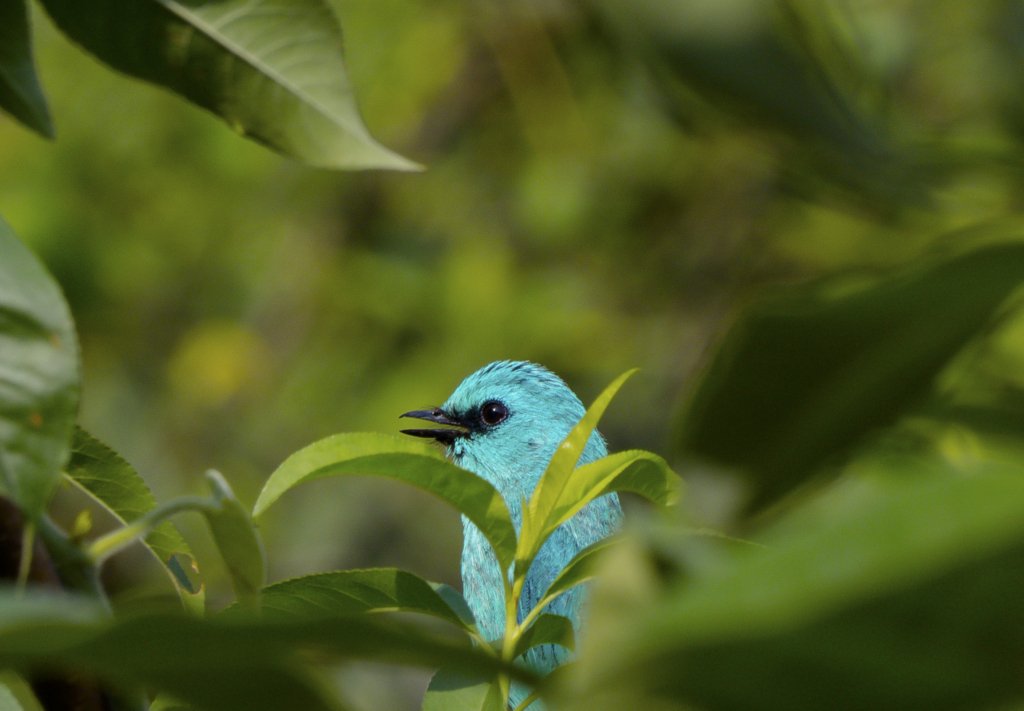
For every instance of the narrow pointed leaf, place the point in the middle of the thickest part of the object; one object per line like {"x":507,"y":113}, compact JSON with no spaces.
{"x":547,"y":629}
{"x":38,"y":377}
{"x":453,"y":691}
{"x":579,"y":570}
{"x":354,"y":591}
{"x":20,"y":93}
{"x":238,"y":542}
{"x":115,"y":484}
{"x":637,"y":471}
{"x":402,"y":459}
{"x":273,"y":69}
{"x":454,"y":599}
{"x":556,"y":476}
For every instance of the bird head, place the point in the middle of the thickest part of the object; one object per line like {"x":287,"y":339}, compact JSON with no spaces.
{"x":506,"y":420}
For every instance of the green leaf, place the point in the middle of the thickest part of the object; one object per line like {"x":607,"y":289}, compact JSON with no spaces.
{"x":115,"y":484}
{"x":20,"y":93}
{"x":220,"y":665}
{"x":273,"y":69}
{"x":7,"y":700}
{"x":453,"y":691}
{"x":886,"y":593}
{"x":402,"y":459}
{"x":556,"y":477}
{"x":634,"y":470}
{"x":579,"y":570}
{"x":238,"y":542}
{"x":801,"y":379}
{"x":38,"y":377}
{"x":455,"y":601}
{"x":355,"y":591}
{"x":546,"y":629}
{"x":17,"y":688}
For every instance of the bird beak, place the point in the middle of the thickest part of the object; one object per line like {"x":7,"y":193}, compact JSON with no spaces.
{"x":444,"y":436}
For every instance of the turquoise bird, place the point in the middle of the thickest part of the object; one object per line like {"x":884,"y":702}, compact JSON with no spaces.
{"x":504,"y":423}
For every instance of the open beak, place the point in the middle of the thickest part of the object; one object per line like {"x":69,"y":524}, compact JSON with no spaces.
{"x":439,"y":416}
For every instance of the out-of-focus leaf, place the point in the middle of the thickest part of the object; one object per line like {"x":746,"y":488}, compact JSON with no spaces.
{"x":453,"y":691}
{"x":238,"y":542}
{"x":17,"y":687}
{"x":115,"y":484}
{"x":219,"y":665}
{"x":634,"y":470}
{"x":803,"y":378}
{"x":547,"y":629}
{"x":273,"y":69}
{"x":20,"y":93}
{"x":556,"y":477}
{"x":7,"y":700}
{"x":761,"y":62}
{"x":579,"y":570}
{"x":354,"y":591}
{"x":889,"y":593}
{"x":38,"y":377}
{"x":403,"y":459}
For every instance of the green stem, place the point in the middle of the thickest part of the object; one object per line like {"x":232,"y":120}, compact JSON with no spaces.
{"x":525,"y":703}
{"x":105,"y":546}
{"x":28,"y":544}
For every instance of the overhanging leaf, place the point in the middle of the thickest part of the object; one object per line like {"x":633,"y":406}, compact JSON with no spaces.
{"x":38,"y":377}
{"x":402,"y":459}
{"x":238,"y":542}
{"x":273,"y":69}
{"x":20,"y":93}
{"x":802,"y":379}
{"x":556,"y":477}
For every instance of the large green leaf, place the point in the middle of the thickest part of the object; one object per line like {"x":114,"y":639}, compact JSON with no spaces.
{"x":354,"y":591}
{"x":273,"y":69}
{"x":38,"y":377}
{"x":403,"y":459}
{"x":220,"y":665}
{"x":20,"y":93}
{"x":115,"y":484}
{"x":238,"y":542}
{"x":556,"y":476}
{"x":801,"y":379}
{"x":888,"y":593}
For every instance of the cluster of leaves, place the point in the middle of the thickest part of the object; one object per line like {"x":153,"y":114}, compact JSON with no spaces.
{"x":249,"y":657}
{"x":884,"y":576}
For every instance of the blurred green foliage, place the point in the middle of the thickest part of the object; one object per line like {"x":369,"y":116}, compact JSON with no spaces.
{"x":600,"y":194}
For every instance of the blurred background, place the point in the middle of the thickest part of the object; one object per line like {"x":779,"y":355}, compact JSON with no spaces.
{"x":578,"y":209}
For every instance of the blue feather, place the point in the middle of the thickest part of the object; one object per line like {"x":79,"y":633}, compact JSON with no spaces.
{"x":512,"y":455}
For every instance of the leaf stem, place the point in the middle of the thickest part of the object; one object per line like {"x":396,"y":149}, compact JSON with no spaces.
{"x":106,"y":546}
{"x":28,"y":544}
{"x":525,"y":703}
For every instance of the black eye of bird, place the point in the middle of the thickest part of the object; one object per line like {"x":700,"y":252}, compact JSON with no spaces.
{"x":493,"y":412}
